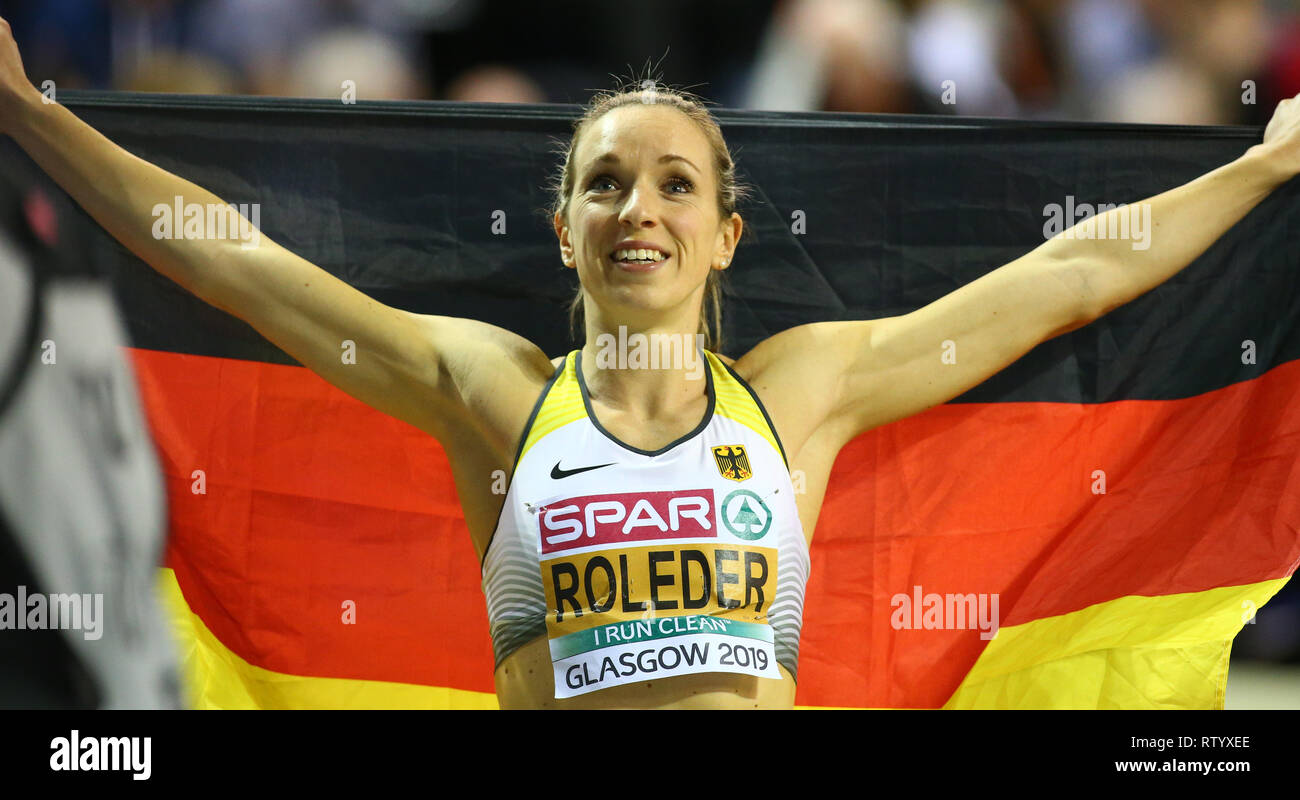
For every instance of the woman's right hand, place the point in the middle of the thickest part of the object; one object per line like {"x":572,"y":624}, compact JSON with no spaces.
{"x":13,"y":79}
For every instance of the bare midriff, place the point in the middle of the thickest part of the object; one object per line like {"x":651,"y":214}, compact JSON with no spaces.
{"x":524,"y":680}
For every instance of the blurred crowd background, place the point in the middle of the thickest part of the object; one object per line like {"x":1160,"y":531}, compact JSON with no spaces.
{"x":1162,"y":61}
{"x":1166,"y":61}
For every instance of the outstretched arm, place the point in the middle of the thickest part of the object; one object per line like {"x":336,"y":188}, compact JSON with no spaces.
{"x":1184,"y":221}
{"x":436,"y":373}
{"x":873,"y":372}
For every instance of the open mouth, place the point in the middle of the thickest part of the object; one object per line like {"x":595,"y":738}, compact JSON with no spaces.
{"x":641,"y":259}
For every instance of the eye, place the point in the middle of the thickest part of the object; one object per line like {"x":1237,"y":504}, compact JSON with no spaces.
{"x":676,"y":180}
{"x":683,"y":182}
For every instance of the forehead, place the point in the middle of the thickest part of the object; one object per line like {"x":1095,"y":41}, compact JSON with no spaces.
{"x":643,"y":132}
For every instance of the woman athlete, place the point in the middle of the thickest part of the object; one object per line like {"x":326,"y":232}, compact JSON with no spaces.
{"x":668,"y":487}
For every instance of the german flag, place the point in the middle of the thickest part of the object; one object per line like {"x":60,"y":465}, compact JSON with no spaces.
{"x":1090,"y":528}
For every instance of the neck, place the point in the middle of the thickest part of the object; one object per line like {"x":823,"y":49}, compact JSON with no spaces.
{"x":647,"y":371}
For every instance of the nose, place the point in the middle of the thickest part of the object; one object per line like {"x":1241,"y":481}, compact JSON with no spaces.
{"x":640,"y":207}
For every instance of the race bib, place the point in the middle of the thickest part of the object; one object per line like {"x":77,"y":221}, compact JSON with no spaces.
{"x":643,"y":586}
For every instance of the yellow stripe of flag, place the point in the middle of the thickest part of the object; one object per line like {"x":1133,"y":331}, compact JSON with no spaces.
{"x":215,"y":677}
{"x":1169,"y":651}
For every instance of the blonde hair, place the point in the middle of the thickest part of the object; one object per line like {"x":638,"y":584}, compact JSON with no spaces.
{"x":730,"y":190}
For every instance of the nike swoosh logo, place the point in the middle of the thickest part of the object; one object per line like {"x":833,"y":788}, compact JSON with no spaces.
{"x":557,"y":473}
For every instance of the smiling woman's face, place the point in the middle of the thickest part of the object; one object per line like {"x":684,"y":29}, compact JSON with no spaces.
{"x":645,"y":173}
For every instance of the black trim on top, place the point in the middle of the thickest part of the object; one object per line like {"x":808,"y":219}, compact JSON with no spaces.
{"x":771,"y":426}
{"x":523,"y":437}
{"x":704,"y":423}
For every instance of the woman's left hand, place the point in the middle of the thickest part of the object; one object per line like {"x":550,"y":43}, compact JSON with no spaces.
{"x":1282,"y":136}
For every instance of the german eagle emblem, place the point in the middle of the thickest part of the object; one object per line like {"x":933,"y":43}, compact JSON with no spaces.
{"x":733,"y":463}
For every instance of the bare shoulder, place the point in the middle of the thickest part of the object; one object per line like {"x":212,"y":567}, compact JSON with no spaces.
{"x":782,"y":360}
{"x":475,"y":340}
{"x":491,"y":375}
{"x":797,"y":374}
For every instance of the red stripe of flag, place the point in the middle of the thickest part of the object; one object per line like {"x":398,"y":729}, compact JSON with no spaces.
{"x":314,"y":498}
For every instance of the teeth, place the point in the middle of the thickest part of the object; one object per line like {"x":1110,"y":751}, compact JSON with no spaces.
{"x":638,"y":255}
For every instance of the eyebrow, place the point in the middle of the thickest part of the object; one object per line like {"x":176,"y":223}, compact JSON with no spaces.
{"x":610,"y":158}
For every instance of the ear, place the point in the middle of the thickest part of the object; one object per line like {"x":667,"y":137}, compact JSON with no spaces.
{"x":728,"y":236}
{"x":566,"y":246}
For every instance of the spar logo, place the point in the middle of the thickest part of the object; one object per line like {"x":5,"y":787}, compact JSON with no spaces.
{"x":627,"y":517}
{"x":746,"y":515}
